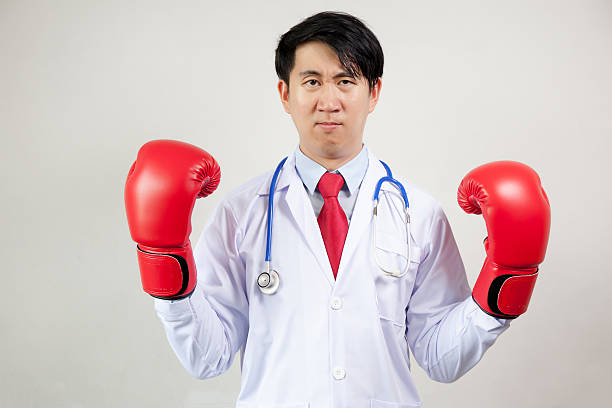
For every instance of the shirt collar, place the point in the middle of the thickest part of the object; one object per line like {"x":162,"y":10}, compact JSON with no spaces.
{"x":353,"y":172}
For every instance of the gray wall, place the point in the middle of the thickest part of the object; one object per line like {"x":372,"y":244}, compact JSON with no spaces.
{"x":84,"y":83}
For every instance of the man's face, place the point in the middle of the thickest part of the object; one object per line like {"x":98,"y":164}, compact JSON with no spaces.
{"x":327,"y":105}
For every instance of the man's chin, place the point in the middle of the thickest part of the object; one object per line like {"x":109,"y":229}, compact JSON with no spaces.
{"x":330,"y":145}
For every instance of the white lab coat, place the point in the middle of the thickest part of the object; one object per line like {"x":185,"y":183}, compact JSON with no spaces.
{"x":321,"y":342}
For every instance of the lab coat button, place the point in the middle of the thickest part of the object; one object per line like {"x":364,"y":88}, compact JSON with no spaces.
{"x":339,"y":373}
{"x":336,"y":303}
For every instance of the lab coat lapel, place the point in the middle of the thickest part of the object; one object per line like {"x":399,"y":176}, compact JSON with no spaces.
{"x":361,"y":219}
{"x":301,"y":210}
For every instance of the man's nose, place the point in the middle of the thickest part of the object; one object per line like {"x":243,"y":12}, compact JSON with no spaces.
{"x":329,"y":98}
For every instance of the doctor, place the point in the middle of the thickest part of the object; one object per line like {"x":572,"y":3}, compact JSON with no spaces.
{"x":333,"y":329}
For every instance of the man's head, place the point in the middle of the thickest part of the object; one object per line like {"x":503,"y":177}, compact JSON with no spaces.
{"x":329,"y":67}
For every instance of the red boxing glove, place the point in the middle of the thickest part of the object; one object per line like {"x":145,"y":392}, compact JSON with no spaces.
{"x":517,"y":214}
{"x":160,"y":192}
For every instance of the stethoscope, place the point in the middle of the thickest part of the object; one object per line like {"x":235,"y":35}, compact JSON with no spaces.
{"x":269,"y":280}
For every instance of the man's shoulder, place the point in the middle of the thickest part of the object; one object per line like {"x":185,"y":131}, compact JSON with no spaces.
{"x":242,"y":197}
{"x":419,"y":199}
{"x":252,"y":187}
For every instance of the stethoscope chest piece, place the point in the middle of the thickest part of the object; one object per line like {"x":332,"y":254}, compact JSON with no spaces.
{"x":268,"y":282}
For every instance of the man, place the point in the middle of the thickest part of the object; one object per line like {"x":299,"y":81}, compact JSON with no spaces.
{"x":336,"y":330}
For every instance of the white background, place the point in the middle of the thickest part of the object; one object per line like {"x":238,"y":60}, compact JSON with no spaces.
{"x":83,"y":84}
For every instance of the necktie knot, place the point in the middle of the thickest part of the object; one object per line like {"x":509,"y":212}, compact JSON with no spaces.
{"x":330,"y":184}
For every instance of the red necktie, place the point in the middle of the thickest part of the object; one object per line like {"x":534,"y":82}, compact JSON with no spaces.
{"x":332,"y":219}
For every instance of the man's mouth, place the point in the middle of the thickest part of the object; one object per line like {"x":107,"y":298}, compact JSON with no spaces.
{"x":328,"y":125}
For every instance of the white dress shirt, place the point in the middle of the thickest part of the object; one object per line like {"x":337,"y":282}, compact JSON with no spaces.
{"x":353,"y":171}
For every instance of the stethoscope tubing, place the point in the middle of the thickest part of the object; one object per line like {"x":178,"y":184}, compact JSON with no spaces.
{"x":271,"y":208}
{"x":272,"y":277}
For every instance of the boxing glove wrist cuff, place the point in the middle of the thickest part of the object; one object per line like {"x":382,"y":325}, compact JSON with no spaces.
{"x":504,"y":292}
{"x":167,"y":273}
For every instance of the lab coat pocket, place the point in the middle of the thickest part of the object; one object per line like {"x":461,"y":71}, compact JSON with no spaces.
{"x":384,"y":404}
{"x":393,"y":293}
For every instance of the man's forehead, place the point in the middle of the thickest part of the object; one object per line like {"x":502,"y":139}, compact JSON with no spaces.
{"x":316,"y":58}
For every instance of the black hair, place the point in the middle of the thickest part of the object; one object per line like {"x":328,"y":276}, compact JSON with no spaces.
{"x":355,"y":45}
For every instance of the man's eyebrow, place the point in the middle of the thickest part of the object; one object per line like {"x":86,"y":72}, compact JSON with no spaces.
{"x":317,"y":73}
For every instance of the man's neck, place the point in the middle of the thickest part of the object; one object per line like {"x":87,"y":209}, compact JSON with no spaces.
{"x":331,"y":163}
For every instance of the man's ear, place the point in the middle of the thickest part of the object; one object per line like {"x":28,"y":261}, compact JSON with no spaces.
{"x":375,"y":94}
{"x":283,"y":91}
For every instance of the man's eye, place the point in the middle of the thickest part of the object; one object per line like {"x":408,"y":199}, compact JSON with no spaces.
{"x":314,"y":82}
